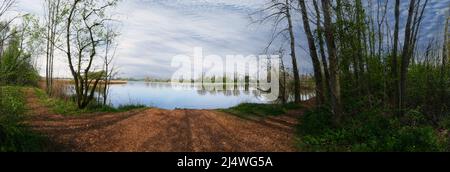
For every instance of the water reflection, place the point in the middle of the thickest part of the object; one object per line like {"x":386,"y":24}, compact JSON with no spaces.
{"x":186,"y":96}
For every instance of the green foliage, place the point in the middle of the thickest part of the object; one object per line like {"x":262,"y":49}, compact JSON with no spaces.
{"x":56,"y":105}
{"x":369,"y":123}
{"x":417,"y":139}
{"x":12,"y":100}
{"x":414,"y":118}
{"x":445,"y":123}
{"x":96,"y":75}
{"x":15,"y":136}
{"x":367,"y":131}
{"x":15,"y":65}
{"x":429,"y":91}
{"x":252,"y":110}
{"x":312,"y":119}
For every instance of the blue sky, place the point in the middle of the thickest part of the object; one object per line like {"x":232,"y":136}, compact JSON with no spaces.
{"x":153,"y":31}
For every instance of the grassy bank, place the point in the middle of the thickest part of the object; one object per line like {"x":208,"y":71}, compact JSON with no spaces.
{"x":258,"y":111}
{"x":68,"y":107}
{"x":14,"y":135}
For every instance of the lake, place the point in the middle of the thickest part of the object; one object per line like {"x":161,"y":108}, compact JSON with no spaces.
{"x":163,"y":95}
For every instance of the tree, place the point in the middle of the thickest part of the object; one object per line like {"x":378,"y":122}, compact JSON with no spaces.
{"x":394,"y":64}
{"x":15,"y":65}
{"x":319,"y":32}
{"x":85,"y":24}
{"x":313,"y":53}
{"x":293,"y":55}
{"x":54,"y":13}
{"x":280,"y":11}
{"x":415,"y":14}
{"x":109,"y":68}
{"x":446,"y":46}
{"x":5,"y":6}
{"x":334,"y":64}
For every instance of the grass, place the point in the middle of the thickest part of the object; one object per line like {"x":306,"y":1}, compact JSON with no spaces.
{"x":69,"y":108}
{"x":14,"y":135}
{"x":253,"y":110}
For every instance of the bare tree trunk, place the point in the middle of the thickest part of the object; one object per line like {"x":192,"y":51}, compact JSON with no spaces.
{"x":283,"y":84}
{"x":445,"y":52}
{"x":362,"y":51}
{"x":53,"y":8}
{"x":47,"y":52}
{"x":293,"y":53}
{"x":110,"y":51}
{"x":322,"y":50}
{"x":394,"y":67}
{"x":75,"y":75}
{"x":334,"y":64}
{"x":405,"y":59}
{"x":313,"y":53}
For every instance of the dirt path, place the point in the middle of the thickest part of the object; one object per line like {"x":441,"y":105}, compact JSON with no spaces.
{"x":159,"y":130}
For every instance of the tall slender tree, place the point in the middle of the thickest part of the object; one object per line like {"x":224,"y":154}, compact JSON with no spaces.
{"x":415,"y":14}
{"x":394,"y":64}
{"x":333,"y":60}
{"x":280,"y":11}
{"x":313,"y":53}
{"x":288,"y":7}
{"x":53,"y":16}
{"x":319,"y":32}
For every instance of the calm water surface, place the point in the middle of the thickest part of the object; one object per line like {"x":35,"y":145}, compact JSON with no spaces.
{"x":163,"y":95}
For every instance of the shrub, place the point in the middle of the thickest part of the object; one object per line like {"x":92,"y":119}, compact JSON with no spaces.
{"x":315,"y":122}
{"x":445,"y":123}
{"x":417,"y":139}
{"x":368,"y":131}
{"x":414,"y":118}
{"x":15,"y":65}
{"x":14,"y":136}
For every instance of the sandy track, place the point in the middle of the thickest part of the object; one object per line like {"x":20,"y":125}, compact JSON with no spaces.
{"x":156,"y":130}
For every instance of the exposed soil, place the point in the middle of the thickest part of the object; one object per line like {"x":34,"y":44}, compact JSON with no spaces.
{"x":156,"y":130}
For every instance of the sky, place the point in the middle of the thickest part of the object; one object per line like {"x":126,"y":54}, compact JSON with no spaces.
{"x":154,"y":31}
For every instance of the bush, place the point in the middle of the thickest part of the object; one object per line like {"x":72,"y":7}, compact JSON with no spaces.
{"x":417,"y":139}
{"x":414,"y":118}
{"x":445,"y":123}
{"x":315,"y":122}
{"x":16,"y":67}
{"x":14,"y":136}
{"x":367,"y":132}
